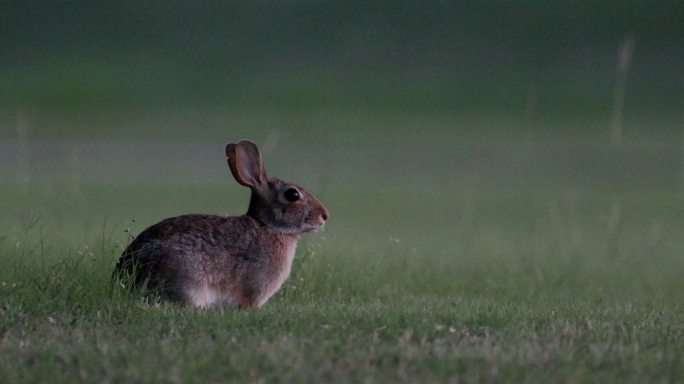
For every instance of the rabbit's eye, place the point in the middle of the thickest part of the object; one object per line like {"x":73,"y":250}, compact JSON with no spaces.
{"x":291,"y":195}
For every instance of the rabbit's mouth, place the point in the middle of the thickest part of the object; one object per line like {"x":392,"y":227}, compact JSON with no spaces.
{"x":308,"y":228}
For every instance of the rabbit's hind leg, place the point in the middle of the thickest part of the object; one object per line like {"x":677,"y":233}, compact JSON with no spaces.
{"x":202,"y":296}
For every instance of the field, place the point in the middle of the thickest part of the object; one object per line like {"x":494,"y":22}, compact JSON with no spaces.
{"x":459,"y":256}
{"x":505,"y":183}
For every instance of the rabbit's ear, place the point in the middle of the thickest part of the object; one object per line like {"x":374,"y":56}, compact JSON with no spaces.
{"x":245,"y":164}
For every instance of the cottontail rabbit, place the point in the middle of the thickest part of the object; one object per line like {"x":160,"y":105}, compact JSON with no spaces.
{"x":205,"y":260}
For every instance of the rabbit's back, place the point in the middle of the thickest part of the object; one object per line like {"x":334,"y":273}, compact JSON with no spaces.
{"x":205,"y":260}
{"x":188,"y":247}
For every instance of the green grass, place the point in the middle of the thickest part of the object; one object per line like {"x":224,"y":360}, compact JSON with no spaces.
{"x":481,"y":227}
{"x":446,"y":259}
{"x":416,"y":283}
{"x":62,"y":322}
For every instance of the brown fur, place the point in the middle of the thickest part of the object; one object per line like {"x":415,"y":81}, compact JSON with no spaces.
{"x":205,"y":260}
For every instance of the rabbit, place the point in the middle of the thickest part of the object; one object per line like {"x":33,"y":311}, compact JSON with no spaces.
{"x":237,"y":261}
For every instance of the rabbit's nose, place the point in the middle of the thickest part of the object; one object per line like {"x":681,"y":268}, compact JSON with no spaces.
{"x":324,"y":213}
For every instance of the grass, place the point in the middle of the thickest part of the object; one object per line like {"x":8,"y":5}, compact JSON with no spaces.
{"x":62,"y":322}
{"x":481,"y":228}
{"x":534,"y":303}
{"x":459,"y":256}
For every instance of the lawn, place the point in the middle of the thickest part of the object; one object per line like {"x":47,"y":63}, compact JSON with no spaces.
{"x":448,"y":257}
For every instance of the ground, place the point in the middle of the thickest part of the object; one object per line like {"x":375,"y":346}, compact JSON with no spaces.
{"x":448,"y":257}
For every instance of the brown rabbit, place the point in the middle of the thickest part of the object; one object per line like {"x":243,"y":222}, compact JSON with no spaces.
{"x":205,"y":260}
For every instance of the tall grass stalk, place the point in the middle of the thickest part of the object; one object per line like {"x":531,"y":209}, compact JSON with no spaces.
{"x":624,"y":59}
{"x":23,"y":169}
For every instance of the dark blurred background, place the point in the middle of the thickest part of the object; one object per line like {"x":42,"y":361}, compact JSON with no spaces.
{"x":440,"y":124}
{"x":82,"y":64}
